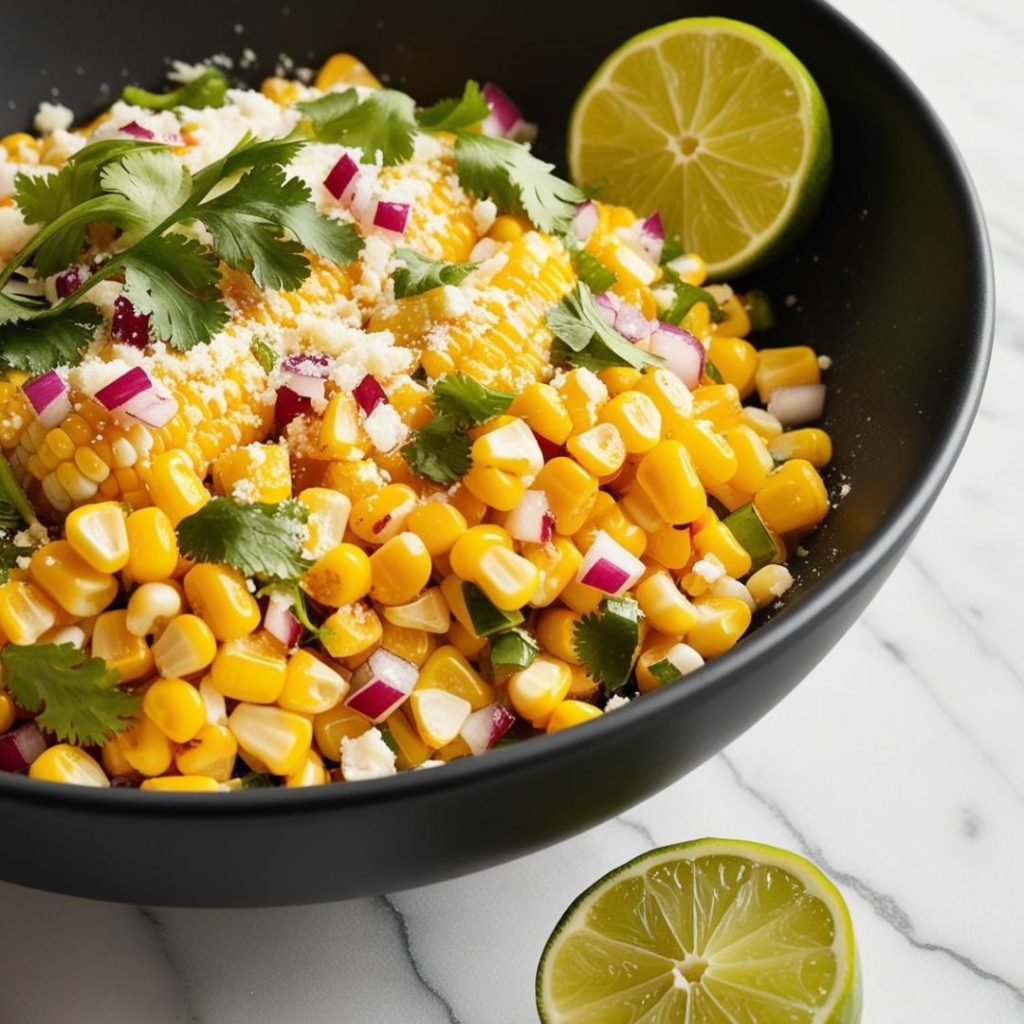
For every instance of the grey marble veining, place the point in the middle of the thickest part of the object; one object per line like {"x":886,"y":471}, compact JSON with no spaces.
{"x":898,"y":765}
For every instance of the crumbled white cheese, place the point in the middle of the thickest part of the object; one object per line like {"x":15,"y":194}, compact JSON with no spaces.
{"x":844,"y":490}
{"x":366,"y":757}
{"x":385,"y":428}
{"x":52,"y":117}
{"x":484,"y":214}
{"x":709,"y":569}
{"x":33,"y":536}
{"x":183,"y":72}
{"x":14,"y":232}
{"x":616,"y":701}
{"x":825,"y":362}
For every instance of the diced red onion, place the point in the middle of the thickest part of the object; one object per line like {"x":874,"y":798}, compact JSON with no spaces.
{"x":391,"y":216}
{"x":608,"y":304}
{"x":20,"y":747}
{"x":505,"y":120}
{"x":369,"y":394}
{"x":683,"y":353}
{"x":584,"y":220}
{"x":652,"y":237}
{"x":48,"y":396}
{"x":531,"y":520}
{"x":341,"y":176}
{"x":306,"y":375}
{"x":795,"y":405}
{"x":632,"y":324}
{"x":280,"y":622}
{"x":608,"y":566}
{"x":288,"y":405}
{"x":124,"y":388}
{"x":381,"y":684}
{"x":485,"y":727}
{"x":128,"y":324}
{"x":67,"y":282}
{"x":152,"y":408}
{"x":136,"y":130}
{"x":135,"y":394}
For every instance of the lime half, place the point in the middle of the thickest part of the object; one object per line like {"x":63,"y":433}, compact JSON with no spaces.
{"x":715,"y":124}
{"x":715,"y":931}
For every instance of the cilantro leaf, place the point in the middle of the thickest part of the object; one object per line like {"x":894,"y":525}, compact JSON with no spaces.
{"x":208,"y":90}
{"x":605,"y":641}
{"x":420,"y":274}
{"x":516,"y":180}
{"x":466,"y":402}
{"x":15,"y":510}
{"x":258,"y":539}
{"x":258,"y":780}
{"x":9,"y":555}
{"x":154,"y":183}
{"x":264,"y":353}
{"x":332,"y":240}
{"x":384,"y":122}
{"x":687,"y":296}
{"x":54,"y":339}
{"x":81,"y":700}
{"x":591,"y":271}
{"x":439,"y":451}
{"x":453,"y":114}
{"x":759,"y":308}
{"x":586,"y":340}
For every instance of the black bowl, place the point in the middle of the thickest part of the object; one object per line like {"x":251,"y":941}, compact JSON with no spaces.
{"x":893,"y":281}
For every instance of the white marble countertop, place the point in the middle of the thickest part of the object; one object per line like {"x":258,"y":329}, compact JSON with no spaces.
{"x":898,"y":765}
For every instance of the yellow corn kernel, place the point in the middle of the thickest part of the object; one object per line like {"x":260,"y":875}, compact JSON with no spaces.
{"x":278,"y":738}
{"x":793,"y":497}
{"x":344,"y":69}
{"x":175,"y":708}
{"x":731,"y":497}
{"x":698,"y":321}
{"x":26,"y":613}
{"x":429,"y":613}
{"x":583,"y":686}
{"x":7,"y":711}
{"x":65,"y":763}
{"x":123,"y":651}
{"x":714,"y":461}
{"x":99,"y":534}
{"x":721,"y":621}
{"x":381,"y":515}
{"x":583,"y":395}
{"x":665,"y":606}
{"x":447,"y":669}
{"x":282,"y":91}
{"x":536,"y":691}
{"x":668,"y":478}
{"x":670,"y":395}
{"x":412,"y":645}
{"x":218,"y":594}
{"x":146,"y":748}
{"x":555,"y":633}
{"x":339,"y":577}
{"x":581,"y":598}
{"x":438,"y":524}
{"x":211,"y":751}
{"x":251,"y":668}
{"x":717,"y":403}
{"x":181,"y":784}
{"x":261,"y":472}
{"x":328,"y":517}
{"x":506,"y":228}
{"x":753,"y":459}
{"x":151,"y":607}
{"x":411,"y":749}
{"x":715,"y":538}
{"x":472,"y":509}
{"x":186,"y":646}
{"x":311,"y":686}
{"x":691,"y":268}
{"x":762,"y":422}
{"x":737,"y":321}
{"x":619,"y":527}
{"x":541,"y":406}
{"x":682,"y":657}
{"x":495,"y":487}
{"x":570,"y":713}
{"x":469,"y":549}
{"x":175,"y":487}
{"x":329,"y":727}
{"x":808,"y":443}
{"x":310,"y":772}
{"x":68,"y":579}
{"x":113,"y":760}
{"x":465,"y":641}
{"x":509,"y":580}
{"x":351,"y":630}
{"x":670,"y":546}
{"x":438,"y":715}
{"x":618,"y":379}
{"x":152,"y":546}
{"x":341,"y":437}
{"x":21,"y":148}
{"x":509,"y":446}
{"x":598,"y":450}
{"x":399,"y":569}
{"x":557,"y":563}
{"x":768,"y":584}
{"x":570,"y":490}
{"x":785,"y":368}
{"x":356,"y":479}
{"x":637,"y":419}
{"x":736,"y":360}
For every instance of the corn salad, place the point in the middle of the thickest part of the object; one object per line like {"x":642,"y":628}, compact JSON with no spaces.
{"x":612,"y":528}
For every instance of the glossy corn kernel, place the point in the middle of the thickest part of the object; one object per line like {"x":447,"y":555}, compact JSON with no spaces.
{"x":186,"y":646}
{"x":793,"y":497}
{"x":113,"y":760}
{"x":497,"y":488}
{"x":339,"y":577}
{"x":785,"y":368}
{"x":717,"y":539}
{"x":583,"y":686}
{"x":428,"y":612}
{"x":311,"y":685}
{"x":768,"y":584}
{"x":399,"y":569}
{"x":598,"y":450}
{"x":175,"y":487}
{"x":278,"y":738}
{"x":99,"y":534}
{"x":618,"y":526}
{"x":181,"y":784}
{"x":351,"y":630}
{"x":555,"y":633}
{"x":146,"y":748}
{"x":580,"y":597}
{"x":328,"y":518}
{"x":123,"y":651}
{"x":250,"y":668}
{"x":411,"y":748}
{"x":438,"y":524}
{"x":719,"y":404}
{"x":211,"y":752}
{"x":473,"y":510}
{"x":356,"y":479}
{"x":663,"y":663}
{"x":438,"y":715}
{"x":570,"y":713}
{"x":510,"y":447}
{"x":175,"y":708}
{"x":152,"y":545}
{"x":26,"y":613}
{"x":762,"y":422}
{"x":669,"y":394}
{"x":340,"y":434}
{"x":670,"y":546}
{"x":381,"y":515}
{"x":664,"y":605}
{"x":257,"y":472}
{"x":465,"y":641}
{"x":536,"y":691}
{"x":509,"y":580}
{"x":583,"y":395}
{"x":809,"y":443}
{"x":618,"y":379}
{"x":541,"y":406}
{"x":570,"y":490}
{"x":636,"y":418}
{"x":412,"y":645}
{"x":468,"y":551}
{"x":331,"y":726}
{"x":447,"y":669}
{"x":753,"y":459}
{"x":310,"y":772}
{"x":721,"y":621}
{"x":65,"y":763}
{"x":68,"y":579}
{"x":151,"y":606}
{"x":736,"y":360}
{"x":557,"y":563}
{"x":668,"y":478}
{"x":713,"y":459}
{"x":7,"y":711}
{"x":344,"y":69}
{"x":219,"y":595}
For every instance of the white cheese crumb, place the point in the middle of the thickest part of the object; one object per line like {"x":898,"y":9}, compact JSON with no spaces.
{"x":616,"y":701}
{"x":366,"y":757}
{"x":825,"y":362}
{"x":709,"y":569}
{"x":385,"y":428}
{"x":802,"y":552}
{"x":53,"y":117}
{"x":844,"y":490}
{"x":183,"y":72}
{"x":484,"y":214}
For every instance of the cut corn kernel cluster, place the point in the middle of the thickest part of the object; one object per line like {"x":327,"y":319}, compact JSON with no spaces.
{"x":447,"y":619}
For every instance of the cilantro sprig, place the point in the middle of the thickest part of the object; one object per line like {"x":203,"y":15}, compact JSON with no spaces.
{"x":79,"y":699}
{"x":9,"y":555}
{"x":452,"y":115}
{"x":605,"y":641}
{"x":257,"y":539}
{"x":15,"y":509}
{"x":466,"y":402}
{"x":207,"y":90}
{"x":591,"y":271}
{"x":384,"y":122}
{"x":418,"y":273}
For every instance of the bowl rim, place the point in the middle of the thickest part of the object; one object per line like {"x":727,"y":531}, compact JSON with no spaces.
{"x":896,"y":528}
